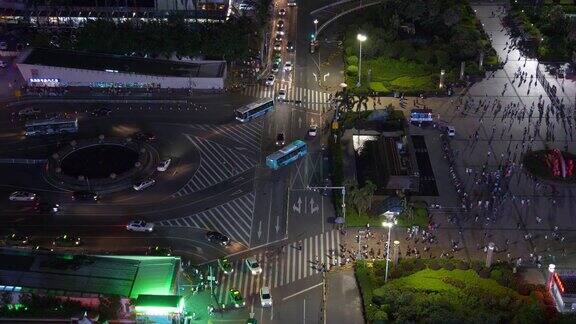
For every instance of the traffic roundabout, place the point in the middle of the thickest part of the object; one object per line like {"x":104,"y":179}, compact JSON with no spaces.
{"x":103,"y":164}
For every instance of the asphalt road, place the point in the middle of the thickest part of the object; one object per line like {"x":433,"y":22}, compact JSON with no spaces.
{"x":217,"y":181}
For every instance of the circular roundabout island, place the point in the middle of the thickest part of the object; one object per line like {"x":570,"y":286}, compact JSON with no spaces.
{"x":551,"y":165}
{"x":102,"y":164}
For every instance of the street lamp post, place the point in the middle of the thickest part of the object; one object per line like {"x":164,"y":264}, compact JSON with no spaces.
{"x":315,"y":29}
{"x":388,"y":224}
{"x":361,"y":38}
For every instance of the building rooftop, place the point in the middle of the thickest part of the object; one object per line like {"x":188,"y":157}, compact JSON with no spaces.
{"x":567,"y":283}
{"x":123,"y":64}
{"x":85,"y":275}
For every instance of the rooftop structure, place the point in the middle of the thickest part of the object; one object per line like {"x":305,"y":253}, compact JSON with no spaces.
{"x":75,"y":12}
{"x":86,"y":275}
{"x":120,"y":63}
{"x":55,"y":68}
{"x":562,"y":286}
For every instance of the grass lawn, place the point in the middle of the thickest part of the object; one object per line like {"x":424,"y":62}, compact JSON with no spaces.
{"x":353,"y":219}
{"x":392,"y":74}
{"x":420,"y":217}
{"x":432,"y":281}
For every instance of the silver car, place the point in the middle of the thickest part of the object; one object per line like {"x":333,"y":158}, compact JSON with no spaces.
{"x":254,"y":266}
{"x":22,"y":196}
{"x":140,"y":226}
{"x":144,"y":184}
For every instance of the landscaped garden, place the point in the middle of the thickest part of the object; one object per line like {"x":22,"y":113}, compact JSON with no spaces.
{"x":409,"y":42}
{"x":546,"y":30}
{"x":450,"y":291}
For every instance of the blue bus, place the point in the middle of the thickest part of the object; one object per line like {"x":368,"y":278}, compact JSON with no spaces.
{"x":255,"y":109}
{"x":286,"y":155}
{"x":51,"y":126}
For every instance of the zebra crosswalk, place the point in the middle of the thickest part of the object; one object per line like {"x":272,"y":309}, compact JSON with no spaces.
{"x":246,"y":135}
{"x":303,"y":97}
{"x":296,"y":262}
{"x":233,"y":218}
{"x":217,"y":163}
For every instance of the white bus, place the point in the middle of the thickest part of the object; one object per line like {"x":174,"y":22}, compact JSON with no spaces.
{"x":51,"y":126}
{"x":255,"y":109}
{"x":421,"y":116}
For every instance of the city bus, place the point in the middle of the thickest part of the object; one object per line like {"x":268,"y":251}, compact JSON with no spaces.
{"x":421,"y":116}
{"x":255,"y":109}
{"x":51,"y":126}
{"x":286,"y":155}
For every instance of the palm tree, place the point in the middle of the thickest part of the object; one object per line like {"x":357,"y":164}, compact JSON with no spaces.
{"x":345,"y":100}
{"x":369,"y":189}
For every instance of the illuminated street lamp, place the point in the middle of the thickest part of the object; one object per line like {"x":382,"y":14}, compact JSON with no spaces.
{"x":361,"y":39}
{"x":315,"y":28}
{"x":390,"y":223}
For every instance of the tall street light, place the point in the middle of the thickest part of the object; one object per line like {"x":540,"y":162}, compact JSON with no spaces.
{"x":390,"y":223}
{"x":315,"y":29}
{"x":361,"y":39}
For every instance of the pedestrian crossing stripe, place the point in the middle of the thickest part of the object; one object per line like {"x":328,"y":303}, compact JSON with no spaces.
{"x":233,"y":218}
{"x":217,"y":164}
{"x":303,"y":97}
{"x":292,"y":265}
{"x":248,"y":134}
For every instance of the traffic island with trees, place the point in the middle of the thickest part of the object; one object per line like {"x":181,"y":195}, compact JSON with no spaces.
{"x":546,"y":30}
{"x":366,"y":198}
{"x":451,"y":291}
{"x":408,"y":43}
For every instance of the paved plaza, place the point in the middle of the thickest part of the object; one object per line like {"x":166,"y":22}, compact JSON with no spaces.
{"x":497,"y":120}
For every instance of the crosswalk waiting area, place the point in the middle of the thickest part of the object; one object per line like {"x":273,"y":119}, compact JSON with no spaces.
{"x":302,"y":97}
{"x":296,"y":262}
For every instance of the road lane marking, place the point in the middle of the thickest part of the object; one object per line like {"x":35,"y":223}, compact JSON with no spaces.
{"x":302,"y":291}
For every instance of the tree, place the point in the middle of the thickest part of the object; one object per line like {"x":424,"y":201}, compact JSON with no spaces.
{"x":557,"y":19}
{"x":369,"y":190}
{"x":451,"y":16}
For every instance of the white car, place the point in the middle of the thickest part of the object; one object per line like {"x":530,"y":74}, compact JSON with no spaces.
{"x":265,"y":297}
{"x":22,"y":196}
{"x":270,"y":80}
{"x":291,"y":3}
{"x":254,"y":266}
{"x":313,"y":130}
{"x":163,"y":165}
{"x":451,"y":131}
{"x":144,"y":184}
{"x":288,"y":66}
{"x":281,"y":94}
{"x":3,"y":46}
{"x":3,"y":64}
{"x":140,"y":226}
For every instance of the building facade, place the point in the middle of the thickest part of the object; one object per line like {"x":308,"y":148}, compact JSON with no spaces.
{"x":75,"y":12}
{"x":57,"y":68}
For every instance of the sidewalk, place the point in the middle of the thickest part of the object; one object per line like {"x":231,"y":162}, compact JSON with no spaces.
{"x":343,"y":302}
